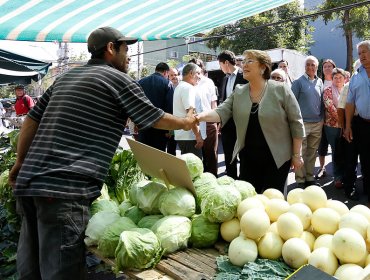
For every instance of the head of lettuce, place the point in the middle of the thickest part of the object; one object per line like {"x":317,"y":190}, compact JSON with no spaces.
{"x":137,"y":248}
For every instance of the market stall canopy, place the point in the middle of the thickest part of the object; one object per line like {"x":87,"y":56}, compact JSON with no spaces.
{"x":74,"y":20}
{"x":19,"y":69}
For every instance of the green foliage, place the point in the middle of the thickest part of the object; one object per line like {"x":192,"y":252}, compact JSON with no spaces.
{"x":186,"y":58}
{"x":262,"y":269}
{"x":355,"y":21}
{"x":132,"y":74}
{"x":359,"y":22}
{"x":291,"y":35}
{"x":9,"y":219}
{"x":146,"y":71}
{"x":172,"y":63}
{"x":122,"y":174}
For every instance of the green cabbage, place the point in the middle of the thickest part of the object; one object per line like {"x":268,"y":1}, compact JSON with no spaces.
{"x":124,"y":206}
{"x":225,"y":180}
{"x":103,"y":204}
{"x":4,"y":181}
{"x":134,"y":188}
{"x":177,"y":201}
{"x":204,"y":179}
{"x":147,"y":196}
{"x":246,"y":189}
{"x":203,"y":232}
{"x":135,"y":214}
{"x":194,"y":164}
{"x":97,"y":224}
{"x":137,"y":248}
{"x":108,"y":242}
{"x":173,"y":232}
{"x":202,"y":191}
{"x":149,"y":221}
{"x":221,"y":203}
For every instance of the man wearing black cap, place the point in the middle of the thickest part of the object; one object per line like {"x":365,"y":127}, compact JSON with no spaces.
{"x":24,"y":102}
{"x":65,"y":147}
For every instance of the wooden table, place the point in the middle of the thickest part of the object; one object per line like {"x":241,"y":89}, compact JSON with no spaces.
{"x":192,"y":263}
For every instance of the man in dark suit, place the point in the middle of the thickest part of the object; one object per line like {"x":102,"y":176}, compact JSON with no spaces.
{"x":234,"y":76}
{"x":159,"y":91}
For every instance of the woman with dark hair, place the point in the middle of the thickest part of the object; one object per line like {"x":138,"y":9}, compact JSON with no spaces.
{"x":268,"y":122}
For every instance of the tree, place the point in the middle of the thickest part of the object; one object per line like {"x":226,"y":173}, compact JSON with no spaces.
{"x":292,"y":34}
{"x":355,"y":21}
{"x":172,"y":63}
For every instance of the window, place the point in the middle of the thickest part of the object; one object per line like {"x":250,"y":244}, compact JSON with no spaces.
{"x":174,"y":54}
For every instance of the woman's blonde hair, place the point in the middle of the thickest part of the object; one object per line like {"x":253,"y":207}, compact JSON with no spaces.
{"x":263,"y":58}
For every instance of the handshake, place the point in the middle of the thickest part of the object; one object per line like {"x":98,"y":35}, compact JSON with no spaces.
{"x":191,"y":120}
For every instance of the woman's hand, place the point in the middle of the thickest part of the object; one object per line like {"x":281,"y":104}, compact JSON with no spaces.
{"x":297,"y":162}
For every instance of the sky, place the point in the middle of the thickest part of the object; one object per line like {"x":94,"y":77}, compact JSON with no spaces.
{"x":48,"y":51}
{"x":44,"y":51}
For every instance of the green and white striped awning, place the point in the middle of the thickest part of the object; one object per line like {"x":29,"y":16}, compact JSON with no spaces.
{"x":73,"y":20}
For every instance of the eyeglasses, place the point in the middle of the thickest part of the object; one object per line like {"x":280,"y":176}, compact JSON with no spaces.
{"x":248,"y":61}
{"x":277,"y":78}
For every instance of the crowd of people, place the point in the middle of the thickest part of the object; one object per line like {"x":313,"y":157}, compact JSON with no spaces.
{"x":268,"y":121}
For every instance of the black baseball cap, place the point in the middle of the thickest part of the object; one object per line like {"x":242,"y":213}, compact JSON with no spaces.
{"x":100,"y":37}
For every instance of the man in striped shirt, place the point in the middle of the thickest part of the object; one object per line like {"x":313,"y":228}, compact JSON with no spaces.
{"x":64,"y":150}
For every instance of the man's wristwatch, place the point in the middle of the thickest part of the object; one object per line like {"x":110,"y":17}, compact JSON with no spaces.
{"x":297,"y":155}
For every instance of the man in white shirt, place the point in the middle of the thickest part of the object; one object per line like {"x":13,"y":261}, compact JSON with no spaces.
{"x":207,"y":92}
{"x":187,"y":100}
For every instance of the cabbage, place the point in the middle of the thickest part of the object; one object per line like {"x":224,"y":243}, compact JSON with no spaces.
{"x":173,"y":232}
{"x":177,"y":201}
{"x":194,"y":164}
{"x":147,"y":196}
{"x":134,"y":188}
{"x":97,"y":224}
{"x":137,"y":248}
{"x":149,"y":221}
{"x":203,"y":232}
{"x":246,"y":189}
{"x":221,"y":203}
{"x":4,"y":180}
{"x":124,"y":206}
{"x":102,"y":205}
{"x":135,"y":214}
{"x":203,"y":191}
{"x":108,"y":242}
{"x":204,"y":179}
{"x":225,"y":180}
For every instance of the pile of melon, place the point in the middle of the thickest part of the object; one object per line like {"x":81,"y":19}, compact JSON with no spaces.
{"x":307,"y":228}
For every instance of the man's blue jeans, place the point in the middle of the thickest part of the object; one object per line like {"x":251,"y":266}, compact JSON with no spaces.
{"x":51,"y":242}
